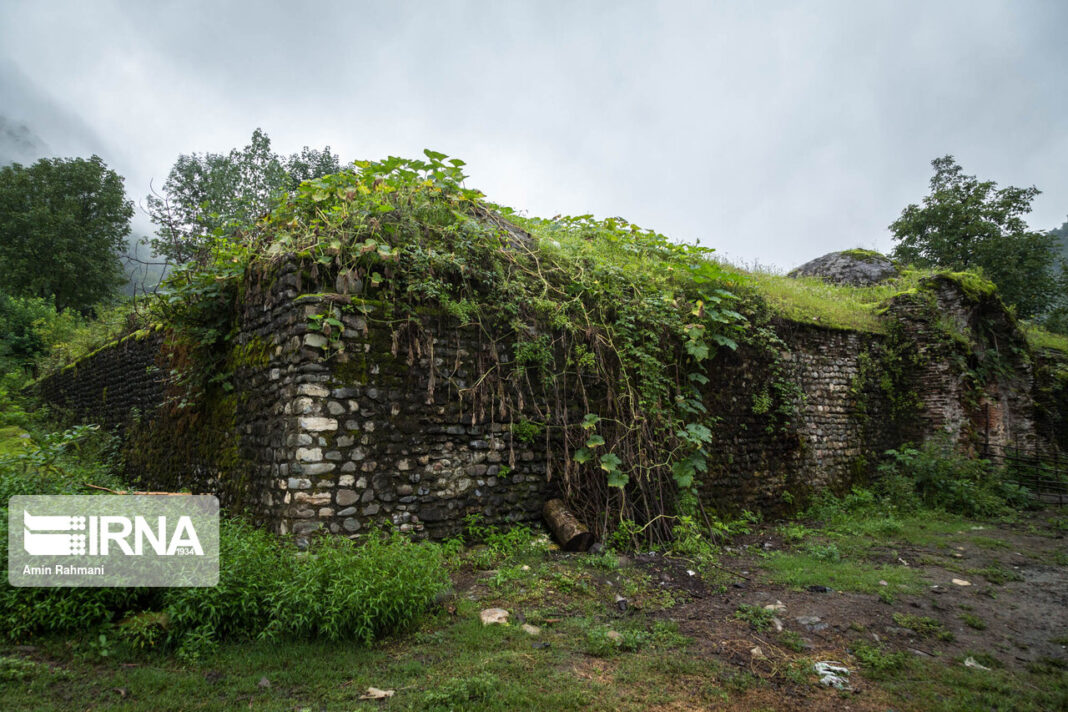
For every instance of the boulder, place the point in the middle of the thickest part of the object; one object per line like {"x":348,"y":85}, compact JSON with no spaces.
{"x":858,"y":268}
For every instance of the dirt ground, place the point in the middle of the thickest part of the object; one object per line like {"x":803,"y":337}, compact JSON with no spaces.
{"x":1022,"y":608}
{"x":1021,"y":617}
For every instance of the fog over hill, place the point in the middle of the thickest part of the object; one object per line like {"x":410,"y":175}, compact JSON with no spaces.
{"x":34,"y":124}
{"x":772,"y":131}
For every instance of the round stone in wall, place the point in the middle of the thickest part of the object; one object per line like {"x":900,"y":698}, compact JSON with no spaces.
{"x":858,"y":268}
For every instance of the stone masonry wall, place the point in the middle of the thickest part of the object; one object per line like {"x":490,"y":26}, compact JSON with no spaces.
{"x":113,"y":385}
{"x":973,"y":370}
{"x":373,"y":425}
{"x":824,"y":435}
{"x":367,"y":432}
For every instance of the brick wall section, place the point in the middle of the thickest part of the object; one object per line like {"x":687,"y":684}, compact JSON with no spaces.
{"x":838,"y":427}
{"x":999,"y":412}
{"x":111,"y":386}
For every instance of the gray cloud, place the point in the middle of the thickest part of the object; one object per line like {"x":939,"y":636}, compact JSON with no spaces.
{"x":773,"y":132}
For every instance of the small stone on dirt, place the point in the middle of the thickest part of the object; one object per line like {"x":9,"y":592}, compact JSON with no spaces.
{"x":819,"y":589}
{"x":813,"y":624}
{"x":758,"y":654}
{"x":531,"y":629}
{"x":778,"y":624}
{"x":494,"y":616}
{"x":961,"y":582}
{"x":777,"y":606}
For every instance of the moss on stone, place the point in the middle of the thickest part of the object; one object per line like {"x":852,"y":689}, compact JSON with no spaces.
{"x":974,"y":287}
{"x":864,"y":255}
{"x":256,"y":353}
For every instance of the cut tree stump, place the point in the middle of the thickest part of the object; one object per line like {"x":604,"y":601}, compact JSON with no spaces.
{"x":569,"y":531}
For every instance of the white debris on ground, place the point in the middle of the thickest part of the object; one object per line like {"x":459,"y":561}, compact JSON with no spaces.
{"x":833,"y":674}
{"x":494,"y":616}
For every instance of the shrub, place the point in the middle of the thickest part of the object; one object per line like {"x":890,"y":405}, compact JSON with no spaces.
{"x":759,"y":618}
{"x":252,"y":567}
{"x":879,"y":661}
{"x":62,"y":462}
{"x":513,"y":544}
{"x":940,"y":478}
{"x":337,"y":590}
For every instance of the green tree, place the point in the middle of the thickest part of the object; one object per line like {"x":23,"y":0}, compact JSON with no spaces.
{"x":965,"y":223}
{"x":1056,"y":319}
{"x":63,"y":229}
{"x":213,"y":194}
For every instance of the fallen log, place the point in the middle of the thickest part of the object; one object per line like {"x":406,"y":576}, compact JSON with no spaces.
{"x":108,"y":489}
{"x":569,"y":531}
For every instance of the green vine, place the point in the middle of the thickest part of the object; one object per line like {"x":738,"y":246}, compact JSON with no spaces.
{"x":596,"y":311}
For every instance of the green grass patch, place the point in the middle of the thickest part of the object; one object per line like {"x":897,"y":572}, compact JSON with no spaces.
{"x":792,"y":640}
{"x":990,"y":543}
{"x":810,"y":300}
{"x":952,"y":687}
{"x":923,"y":626}
{"x":759,"y":618}
{"x":800,"y":569}
{"x":997,"y":574}
{"x":973,"y":621}
{"x":12,"y":440}
{"x":1039,"y":338}
{"x":878,"y":661}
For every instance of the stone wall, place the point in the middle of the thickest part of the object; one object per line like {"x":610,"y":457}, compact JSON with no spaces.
{"x":369,"y":429}
{"x":375,"y":424}
{"x":805,"y":419}
{"x":113,"y":386}
{"x":972,"y":369}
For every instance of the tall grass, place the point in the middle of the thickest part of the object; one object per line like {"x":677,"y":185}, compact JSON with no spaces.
{"x":810,"y":300}
{"x":337,"y":590}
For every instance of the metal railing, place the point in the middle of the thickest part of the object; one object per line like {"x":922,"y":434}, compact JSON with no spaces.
{"x":1046,"y":477}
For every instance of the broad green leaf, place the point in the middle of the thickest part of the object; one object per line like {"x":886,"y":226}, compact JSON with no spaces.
{"x":697,"y":349}
{"x":610,"y":462}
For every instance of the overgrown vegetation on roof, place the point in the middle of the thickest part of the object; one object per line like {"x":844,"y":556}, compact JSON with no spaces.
{"x":590,"y":305}
{"x":1039,"y":338}
{"x":810,"y":300}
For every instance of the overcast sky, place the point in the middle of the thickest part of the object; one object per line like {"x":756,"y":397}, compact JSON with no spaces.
{"x":774,"y":132}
